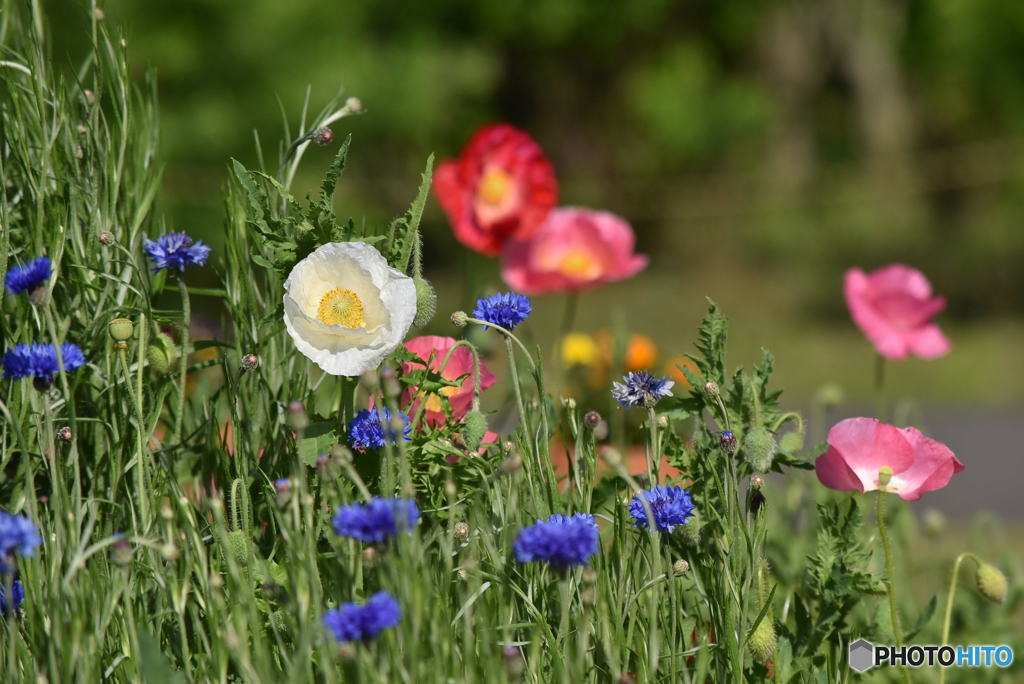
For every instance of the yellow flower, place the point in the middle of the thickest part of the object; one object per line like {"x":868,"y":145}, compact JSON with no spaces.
{"x":579,"y":349}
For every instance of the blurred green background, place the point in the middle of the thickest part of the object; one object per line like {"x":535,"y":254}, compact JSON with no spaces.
{"x":758,"y":148}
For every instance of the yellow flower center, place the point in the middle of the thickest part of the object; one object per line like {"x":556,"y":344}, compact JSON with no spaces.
{"x":494,"y":186}
{"x":341,"y":307}
{"x":576,"y":263}
{"x":434,"y":400}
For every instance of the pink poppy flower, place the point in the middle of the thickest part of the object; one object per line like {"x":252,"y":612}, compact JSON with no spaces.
{"x":859,"y":448}
{"x":894,"y":306}
{"x":501,"y":186}
{"x":433,"y":348}
{"x":574,"y":249}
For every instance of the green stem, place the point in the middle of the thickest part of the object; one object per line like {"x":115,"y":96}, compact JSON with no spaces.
{"x":889,"y":574}
{"x":186,"y":314}
{"x":141,"y":494}
{"x":653,"y":457}
{"x":949,"y":604}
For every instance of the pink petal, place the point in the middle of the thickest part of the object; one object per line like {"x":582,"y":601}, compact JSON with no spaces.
{"x":928,"y":342}
{"x":934,"y":465}
{"x":866,"y":445}
{"x":900,"y":278}
{"x":833,"y":472}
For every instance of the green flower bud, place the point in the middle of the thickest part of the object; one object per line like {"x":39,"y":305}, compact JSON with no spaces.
{"x":240,"y":547}
{"x":991,"y":582}
{"x":759,"y":448}
{"x":762,"y":640}
{"x":161,"y":353}
{"x":691,"y":530}
{"x":426,"y":302}
{"x":121,"y":329}
{"x":459,"y":319}
{"x":792,"y":442}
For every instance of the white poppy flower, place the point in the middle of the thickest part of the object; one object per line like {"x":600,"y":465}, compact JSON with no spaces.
{"x":346,"y":309}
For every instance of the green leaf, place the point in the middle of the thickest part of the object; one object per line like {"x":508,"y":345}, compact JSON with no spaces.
{"x":317,"y":439}
{"x":405,"y":231}
{"x":154,"y":667}
{"x":334,"y":173}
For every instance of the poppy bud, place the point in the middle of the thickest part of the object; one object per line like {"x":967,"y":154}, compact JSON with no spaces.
{"x":161,"y":353}
{"x":239,"y":546}
{"x":426,"y":302}
{"x":792,"y":442}
{"x":991,"y":582}
{"x":759,"y":448}
{"x":762,"y":641}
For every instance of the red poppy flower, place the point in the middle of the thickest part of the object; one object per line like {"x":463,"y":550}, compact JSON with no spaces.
{"x":502,"y":186}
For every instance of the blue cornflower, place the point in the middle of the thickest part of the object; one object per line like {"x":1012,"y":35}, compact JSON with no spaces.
{"x":670,"y":506}
{"x":507,"y":309}
{"x":377,"y":520}
{"x":641,"y":389}
{"x":374,"y":427}
{"x":28,"y":276}
{"x":354,"y":622}
{"x":18,"y":535}
{"x":17,"y":593}
{"x":560,"y":541}
{"x":40,"y":360}
{"x":175,"y":250}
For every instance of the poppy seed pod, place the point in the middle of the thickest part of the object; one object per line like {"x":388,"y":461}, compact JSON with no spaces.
{"x":121,"y":329}
{"x":426,"y":302}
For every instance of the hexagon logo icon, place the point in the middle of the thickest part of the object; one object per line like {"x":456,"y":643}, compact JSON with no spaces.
{"x":862,"y":655}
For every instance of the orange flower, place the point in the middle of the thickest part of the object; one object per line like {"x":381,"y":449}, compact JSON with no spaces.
{"x":672,"y":370}
{"x":641,"y":353}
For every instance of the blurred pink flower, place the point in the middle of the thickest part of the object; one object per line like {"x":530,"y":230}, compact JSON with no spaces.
{"x":574,"y":249}
{"x":461,"y":363}
{"x":893,"y":307}
{"x":858,"y":448}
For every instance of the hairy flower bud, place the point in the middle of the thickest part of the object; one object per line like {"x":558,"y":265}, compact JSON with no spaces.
{"x":711,"y":389}
{"x":681,"y":567}
{"x":64,"y":434}
{"x":459,"y":319}
{"x":791,"y":442}
{"x":762,"y":640}
{"x":250,"y":362}
{"x":691,"y":530}
{"x":992,"y":582}
{"x":759,"y":448}
{"x":591,"y":419}
{"x":461,"y":530}
{"x":106,"y":239}
{"x":239,"y":548}
{"x":161,"y":353}
{"x":426,"y":302}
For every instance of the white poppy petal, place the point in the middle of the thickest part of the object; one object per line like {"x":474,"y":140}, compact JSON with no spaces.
{"x":388,"y":298}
